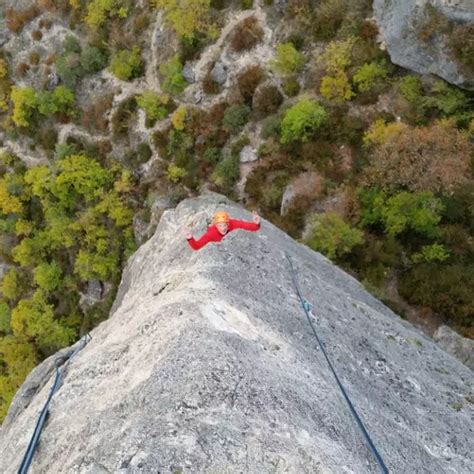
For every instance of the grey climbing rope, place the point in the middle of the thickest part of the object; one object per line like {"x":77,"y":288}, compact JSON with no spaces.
{"x":30,"y":451}
{"x":305,"y":306}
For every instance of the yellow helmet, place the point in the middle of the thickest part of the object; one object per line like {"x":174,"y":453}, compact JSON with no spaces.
{"x":220,"y":216}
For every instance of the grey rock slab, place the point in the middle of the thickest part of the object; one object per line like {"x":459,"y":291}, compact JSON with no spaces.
{"x":399,"y":22}
{"x":247,"y":154}
{"x":208,"y":364}
{"x":219,"y":73}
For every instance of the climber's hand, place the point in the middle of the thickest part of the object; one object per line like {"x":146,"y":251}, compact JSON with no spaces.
{"x":256,"y":217}
{"x":187,"y":233}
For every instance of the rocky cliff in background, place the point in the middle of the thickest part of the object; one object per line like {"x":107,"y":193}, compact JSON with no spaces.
{"x":424,"y":36}
{"x":207,"y":364}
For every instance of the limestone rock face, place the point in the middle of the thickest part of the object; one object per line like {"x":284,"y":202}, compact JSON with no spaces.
{"x":456,"y":345}
{"x":401,"y":23}
{"x":208,"y":365}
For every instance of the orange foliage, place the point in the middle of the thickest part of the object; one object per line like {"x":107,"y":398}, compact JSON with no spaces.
{"x":435,"y":158}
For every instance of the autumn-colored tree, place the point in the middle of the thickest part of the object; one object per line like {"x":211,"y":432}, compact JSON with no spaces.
{"x":187,"y":17}
{"x":434,"y":158}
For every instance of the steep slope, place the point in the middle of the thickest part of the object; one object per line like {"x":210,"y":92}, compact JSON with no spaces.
{"x":207,"y":364}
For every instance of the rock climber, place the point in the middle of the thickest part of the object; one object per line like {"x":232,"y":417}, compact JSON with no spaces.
{"x":222,"y":224}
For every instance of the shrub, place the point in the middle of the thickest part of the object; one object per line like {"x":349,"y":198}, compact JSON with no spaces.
{"x":327,"y":18}
{"x":431,"y":253}
{"x":34,"y":58}
{"x":235,"y":117}
{"x":266,"y":101}
{"x":370,"y":76}
{"x":122,"y":116}
{"x":447,"y":289}
{"x":95,"y":113}
{"x":271,"y":127}
{"x":446,"y":99}
{"x":336,"y":89}
{"x":212,"y":155}
{"x":331,"y":236}
{"x":291,"y":86}
{"x":288,"y":60}
{"x":154,"y":106}
{"x":411,"y":89}
{"x":302,"y":120}
{"x":247,"y":34}
{"x":126,"y":64}
{"x":172,"y":72}
{"x":178,"y":117}
{"x":93,"y":60}
{"x":3,"y":68}
{"x":37,"y":35}
{"x":175,"y":173}
{"x":248,"y":81}
{"x":209,"y":85}
{"x":227,"y":172}
{"x":68,"y":64}
{"x":17,"y":19}
{"x":461,"y":42}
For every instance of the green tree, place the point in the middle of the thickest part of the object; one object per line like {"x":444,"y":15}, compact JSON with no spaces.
{"x":431,"y":253}
{"x":10,"y":286}
{"x":24,"y":103}
{"x":420,"y":212}
{"x":17,"y":359}
{"x":34,"y":318}
{"x":61,"y":100}
{"x":332,"y":236}
{"x":302,"y":120}
{"x":172,"y":72}
{"x":80,"y":178}
{"x":126,"y":64}
{"x":48,"y":276}
{"x":9,"y":203}
{"x":154,"y":105}
{"x":5,"y":318}
{"x":188,"y":17}
{"x":288,"y":59}
{"x":99,"y":10}
{"x":370,"y":75}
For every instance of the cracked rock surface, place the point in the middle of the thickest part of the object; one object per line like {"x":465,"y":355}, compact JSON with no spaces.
{"x":208,"y":365}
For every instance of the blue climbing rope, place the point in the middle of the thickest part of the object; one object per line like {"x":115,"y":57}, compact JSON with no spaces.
{"x":30,"y":451}
{"x":305,"y":306}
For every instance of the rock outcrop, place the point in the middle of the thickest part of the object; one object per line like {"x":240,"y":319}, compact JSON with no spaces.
{"x":460,"y":347}
{"x":418,"y":35}
{"x":207,"y":364}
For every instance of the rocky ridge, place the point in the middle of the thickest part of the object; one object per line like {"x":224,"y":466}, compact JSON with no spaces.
{"x":207,"y":364}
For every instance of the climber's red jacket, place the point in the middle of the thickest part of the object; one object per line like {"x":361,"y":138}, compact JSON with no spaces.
{"x":213,"y":235}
